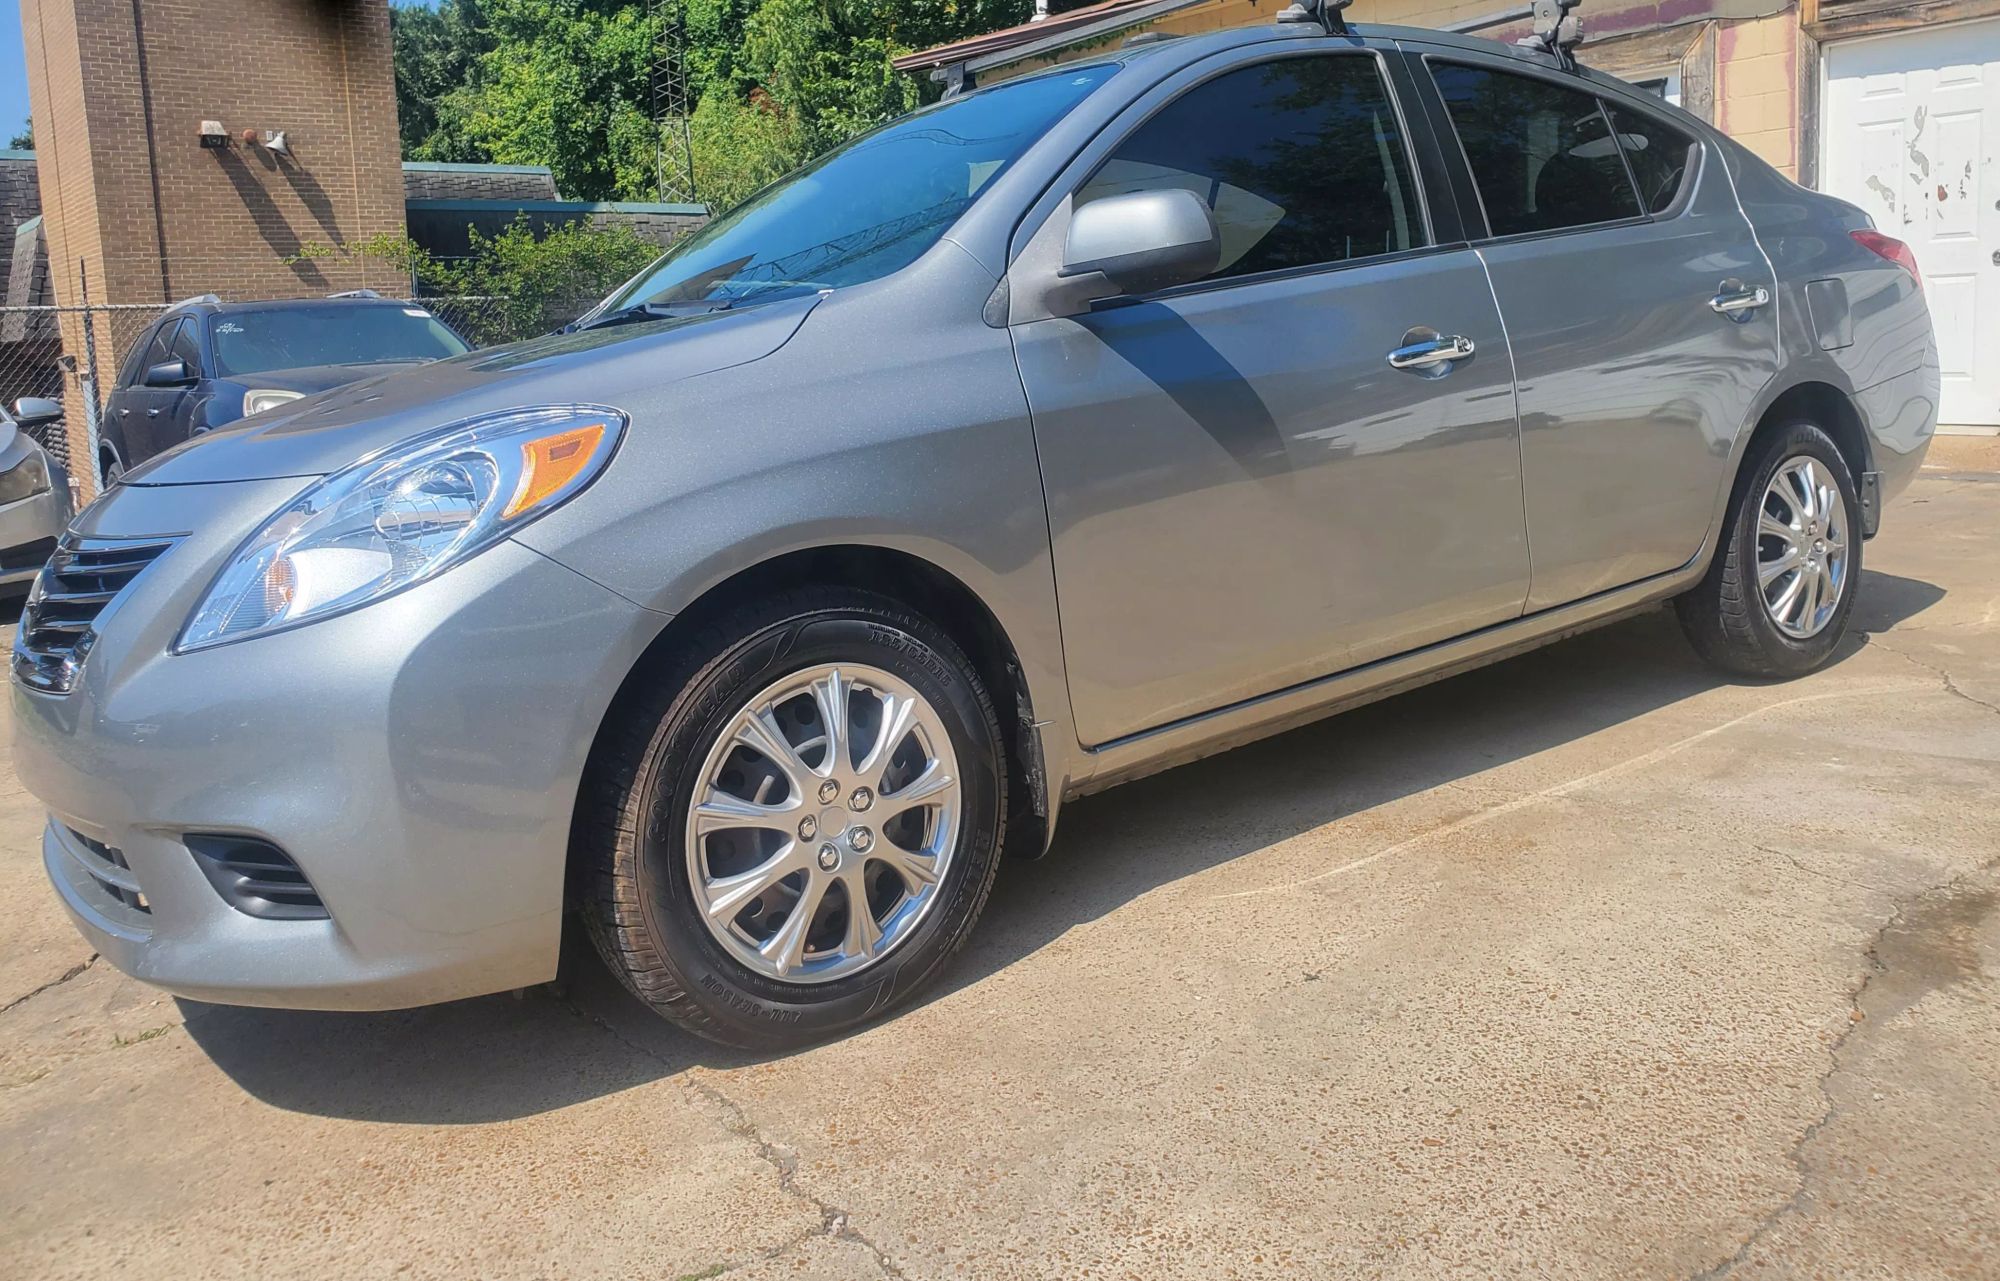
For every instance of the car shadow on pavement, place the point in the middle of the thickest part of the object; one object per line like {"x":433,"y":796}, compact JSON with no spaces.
{"x":585,"y":1037}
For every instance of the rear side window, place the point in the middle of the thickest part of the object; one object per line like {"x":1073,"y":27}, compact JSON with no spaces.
{"x":1541,"y":154}
{"x":1302,"y":160}
{"x":1659,"y":156}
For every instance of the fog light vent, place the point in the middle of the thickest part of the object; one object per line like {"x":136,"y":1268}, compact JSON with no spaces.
{"x":257,"y":878}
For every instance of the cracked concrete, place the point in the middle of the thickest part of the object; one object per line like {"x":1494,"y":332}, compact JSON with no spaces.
{"x":1588,"y":965}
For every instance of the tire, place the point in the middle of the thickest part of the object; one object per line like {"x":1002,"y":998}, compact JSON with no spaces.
{"x":642,"y":892}
{"x":1728,"y":616}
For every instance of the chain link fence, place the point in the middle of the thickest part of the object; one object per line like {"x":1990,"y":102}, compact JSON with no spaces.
{"x":71,"y":355}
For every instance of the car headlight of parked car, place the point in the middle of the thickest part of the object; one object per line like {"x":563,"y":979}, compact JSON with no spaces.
{"x":25,"y":479}
{"x":256,"y":402}
{"x":401,"y":516}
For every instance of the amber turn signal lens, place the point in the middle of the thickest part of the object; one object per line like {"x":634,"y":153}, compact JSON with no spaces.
{"x":550,"y":463}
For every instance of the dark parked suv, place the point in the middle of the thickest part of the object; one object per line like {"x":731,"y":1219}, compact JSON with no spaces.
{"x":207,"y":362}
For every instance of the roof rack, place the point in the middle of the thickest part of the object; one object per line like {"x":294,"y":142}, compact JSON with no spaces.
{"x":1558,"y":31}
{"x":198,"y":298}
{"x":1325,"y":13}
{"x":355,"y":293}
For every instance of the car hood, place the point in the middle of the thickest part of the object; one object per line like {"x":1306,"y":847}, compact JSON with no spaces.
{"x":312,"y":378}
{"x":614,"y":366}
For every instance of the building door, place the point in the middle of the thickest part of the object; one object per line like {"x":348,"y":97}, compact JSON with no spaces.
{"x":1910,"y":131}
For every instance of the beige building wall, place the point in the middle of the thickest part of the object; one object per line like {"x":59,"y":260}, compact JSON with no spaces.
{"x":1757,"y":102}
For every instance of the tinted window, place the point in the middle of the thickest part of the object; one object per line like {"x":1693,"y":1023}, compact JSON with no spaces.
{"x":185,"y":347}
{"x":141,"y":355}
{"x":1301,"y":159}
{"x":870,"y":208}
{"x":251,"y":342}
{"x":1542,"y":155}
{"x":1658,"y":155}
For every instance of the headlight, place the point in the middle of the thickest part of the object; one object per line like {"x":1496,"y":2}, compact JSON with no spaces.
{"x":256,"y":402}
{"x":25,"y":479}
{"x":401,"y":516}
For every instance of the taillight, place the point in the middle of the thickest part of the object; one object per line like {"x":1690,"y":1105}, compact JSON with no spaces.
{"x":1891,"y":248}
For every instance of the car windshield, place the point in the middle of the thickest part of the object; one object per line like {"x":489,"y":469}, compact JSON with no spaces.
{"x":866,"y":209}
{"x":253,"y":342}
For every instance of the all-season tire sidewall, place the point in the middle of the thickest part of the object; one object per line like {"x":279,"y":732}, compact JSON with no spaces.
{"x":752,"y":1008}
{"x":1730,"y":622}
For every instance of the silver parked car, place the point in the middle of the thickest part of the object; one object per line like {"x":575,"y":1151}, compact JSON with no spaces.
{"x":34,"y":492}
{"x":1054,"y":434}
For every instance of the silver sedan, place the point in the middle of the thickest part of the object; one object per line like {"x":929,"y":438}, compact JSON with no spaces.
{"x":1054,"y":434}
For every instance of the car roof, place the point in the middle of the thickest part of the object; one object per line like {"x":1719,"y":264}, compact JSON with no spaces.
{"x":212,"y":306}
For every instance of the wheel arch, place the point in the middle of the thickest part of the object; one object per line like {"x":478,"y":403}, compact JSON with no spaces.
{"x":920,"y":585}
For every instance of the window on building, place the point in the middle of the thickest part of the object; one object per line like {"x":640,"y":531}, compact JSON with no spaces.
{"x":1542,"y":154}
{"x":1658,"y":154}
{"x":1301,"y":159}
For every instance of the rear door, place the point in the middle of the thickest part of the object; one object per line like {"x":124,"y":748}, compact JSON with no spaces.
{"x":1243,"y":494}
{"x":1612,"y":238}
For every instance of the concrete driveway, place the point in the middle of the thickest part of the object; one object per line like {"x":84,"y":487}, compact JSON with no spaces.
{"x":1590,"y":964}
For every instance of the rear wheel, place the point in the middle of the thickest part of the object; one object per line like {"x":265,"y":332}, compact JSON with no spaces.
{"x":1776,"y":600}
{"x":797,"y":833}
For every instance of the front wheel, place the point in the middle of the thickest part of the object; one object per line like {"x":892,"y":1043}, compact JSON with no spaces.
{"x":1776,"y":599}
{"x":797,"y":834}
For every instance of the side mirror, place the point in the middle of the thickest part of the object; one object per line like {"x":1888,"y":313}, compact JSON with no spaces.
{"x":168,"y":373}
{"x":33,"y":411}
{"x":1142,"y":241}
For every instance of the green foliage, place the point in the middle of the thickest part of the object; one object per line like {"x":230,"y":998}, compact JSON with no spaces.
{"x":24,"y":140}
{"x":531,"y":283}
{"x":566,"y":83}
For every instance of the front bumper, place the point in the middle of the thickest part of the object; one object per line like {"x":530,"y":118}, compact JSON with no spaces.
{"x":28,"y":531}
{"x":418,"y":760}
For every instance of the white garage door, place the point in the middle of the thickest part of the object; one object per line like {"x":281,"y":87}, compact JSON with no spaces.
{"x":1910,"y":131}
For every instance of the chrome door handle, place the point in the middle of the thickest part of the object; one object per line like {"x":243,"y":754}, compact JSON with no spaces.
{"x":124,"y":413}
{"x":152,"y":413}
{"x":1731,"y":302}
{"x":1440,"y":350}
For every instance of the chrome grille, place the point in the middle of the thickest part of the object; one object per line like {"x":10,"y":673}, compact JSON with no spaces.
{"x":59,"y":622}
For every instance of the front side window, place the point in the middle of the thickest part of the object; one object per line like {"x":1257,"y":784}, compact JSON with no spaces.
{"x":141,"y":355}
{"x":185,"y":346}
{"x":870,"y":208}
{"x":1542,"y":154}
{"x":1302,"y":160}
{"x":334,"y":333}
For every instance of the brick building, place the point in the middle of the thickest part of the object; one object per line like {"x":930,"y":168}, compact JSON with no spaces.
{"x":194,"y":146}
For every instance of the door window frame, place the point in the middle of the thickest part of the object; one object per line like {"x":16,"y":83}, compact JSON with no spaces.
{"x":1479,"y":230}
{"x":1438,"y":213}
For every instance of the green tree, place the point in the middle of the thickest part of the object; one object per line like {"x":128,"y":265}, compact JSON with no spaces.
{"x":437,"y":54}
{"x":566,"y":83}
{"x":24,"y":140}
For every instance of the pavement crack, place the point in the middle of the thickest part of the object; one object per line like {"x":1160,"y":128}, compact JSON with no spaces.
{"x":72,"y":972}
{"x":833,"y":1220}
{"x":1857,"y":1021}
{"x":1951,"y":685}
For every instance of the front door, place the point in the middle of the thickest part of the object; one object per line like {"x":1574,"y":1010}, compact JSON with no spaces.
{"x":1628,"y":277}
{"x":1243,"y":493}
{"x":1905,"y":137}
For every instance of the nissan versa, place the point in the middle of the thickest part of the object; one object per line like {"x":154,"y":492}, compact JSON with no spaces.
{"x":1067,"y":429}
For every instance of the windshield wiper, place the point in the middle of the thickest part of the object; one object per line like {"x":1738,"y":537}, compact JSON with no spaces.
{"x":652,"y":311}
